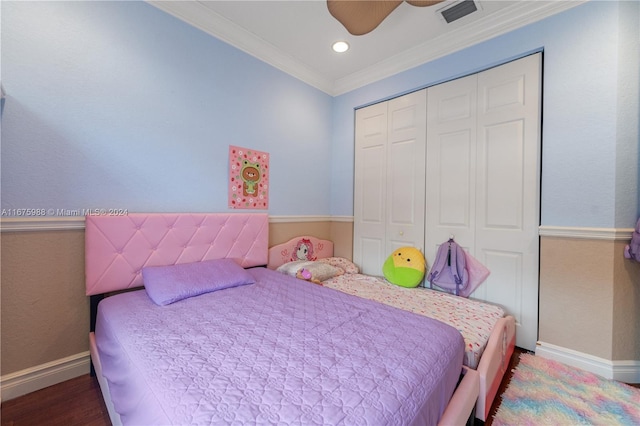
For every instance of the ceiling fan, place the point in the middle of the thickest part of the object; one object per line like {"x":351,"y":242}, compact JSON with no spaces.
{"x":362,"y":16}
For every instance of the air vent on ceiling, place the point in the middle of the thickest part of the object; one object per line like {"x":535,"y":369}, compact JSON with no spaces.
{"x":458,"y":10}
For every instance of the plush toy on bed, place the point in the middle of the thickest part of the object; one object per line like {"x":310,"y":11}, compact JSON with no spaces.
{"x":405,"y":267}
{"x":305,"y":274}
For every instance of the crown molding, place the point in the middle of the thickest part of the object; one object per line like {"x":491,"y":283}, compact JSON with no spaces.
{"x":199,"y":16}
{"x":517,"y":15}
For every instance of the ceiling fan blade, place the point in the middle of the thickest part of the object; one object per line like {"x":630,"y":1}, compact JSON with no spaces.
{"x":423,"y":3}
{"x":361,"y":16}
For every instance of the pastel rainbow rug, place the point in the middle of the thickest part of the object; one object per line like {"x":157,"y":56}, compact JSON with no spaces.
{"x":546,"y":392}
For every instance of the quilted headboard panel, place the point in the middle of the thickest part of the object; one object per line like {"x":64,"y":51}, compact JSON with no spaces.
{"x":118,"y":247}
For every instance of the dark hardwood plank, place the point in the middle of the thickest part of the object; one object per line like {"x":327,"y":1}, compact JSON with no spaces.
{"x":75,"y":402}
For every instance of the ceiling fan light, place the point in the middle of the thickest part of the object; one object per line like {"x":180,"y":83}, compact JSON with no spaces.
{"x":340,"y":46}
{"x":361,"y":16}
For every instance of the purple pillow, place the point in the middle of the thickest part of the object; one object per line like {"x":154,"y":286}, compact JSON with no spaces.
{"x":171,"y":283}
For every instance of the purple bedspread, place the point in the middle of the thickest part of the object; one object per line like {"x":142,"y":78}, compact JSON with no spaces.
{"x":281,"y":351}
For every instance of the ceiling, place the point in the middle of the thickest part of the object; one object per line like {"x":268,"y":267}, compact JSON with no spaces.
{"x":295,"y":36}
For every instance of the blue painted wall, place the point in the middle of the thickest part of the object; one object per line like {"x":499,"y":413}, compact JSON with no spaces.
{"x":119,"y":105}
{"x":590,"y":157}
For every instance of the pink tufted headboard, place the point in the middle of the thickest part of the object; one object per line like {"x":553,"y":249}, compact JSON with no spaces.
{"x":118,"y":247}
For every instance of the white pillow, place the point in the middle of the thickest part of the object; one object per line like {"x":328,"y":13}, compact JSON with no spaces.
{"x":320,"y":271}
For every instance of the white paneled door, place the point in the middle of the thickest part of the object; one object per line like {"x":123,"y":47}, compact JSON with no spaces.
{"x":508,"y":185}
{"x":483,"y":181}
{"x":451,"y":164}
{"x":369,"y":192}
{"x":389,"y":187}
{"x":406,"y":172}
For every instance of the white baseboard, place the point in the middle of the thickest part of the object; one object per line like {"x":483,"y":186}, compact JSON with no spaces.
{"x":41,"y":376}
{"x":622,"y":371}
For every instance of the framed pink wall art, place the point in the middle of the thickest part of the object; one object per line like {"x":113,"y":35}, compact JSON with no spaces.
{"x":248,"y":178}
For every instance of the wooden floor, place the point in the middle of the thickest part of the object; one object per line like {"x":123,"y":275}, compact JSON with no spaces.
{"x":78,"y":402}
{"x":72,"y":403}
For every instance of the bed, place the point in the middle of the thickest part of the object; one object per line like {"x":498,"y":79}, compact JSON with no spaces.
{"x":489,"y":334}
{"x":249,"y":345}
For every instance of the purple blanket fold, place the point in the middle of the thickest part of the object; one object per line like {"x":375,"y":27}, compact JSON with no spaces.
{"x":280,"y":351}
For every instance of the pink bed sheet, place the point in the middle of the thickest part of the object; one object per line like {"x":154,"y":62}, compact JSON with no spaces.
{"x":474,"y":319}
{"x":281,"y":351}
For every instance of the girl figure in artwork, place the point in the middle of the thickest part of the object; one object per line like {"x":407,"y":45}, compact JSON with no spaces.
{"x":303,"y":250}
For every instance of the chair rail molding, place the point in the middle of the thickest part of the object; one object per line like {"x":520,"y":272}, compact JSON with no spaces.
{"x":66,"y":223}
{"x":612,"y":234}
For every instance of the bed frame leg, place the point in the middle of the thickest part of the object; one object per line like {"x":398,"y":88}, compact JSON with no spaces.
{"x":471,"y":421}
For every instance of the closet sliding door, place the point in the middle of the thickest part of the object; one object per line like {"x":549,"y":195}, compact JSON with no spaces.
{"x":389,"y":187}
{"x":370,"y":190}
{"x":483,"y":181}
{"x":469,"y":150}
{"x":451,"y":164}
{"x":508,"y":190}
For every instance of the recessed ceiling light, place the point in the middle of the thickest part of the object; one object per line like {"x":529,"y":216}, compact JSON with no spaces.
{"x":340,"y":46}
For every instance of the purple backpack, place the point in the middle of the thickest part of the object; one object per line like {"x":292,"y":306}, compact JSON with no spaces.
{"x":632,"y":250}
{"x":449,"y":270}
